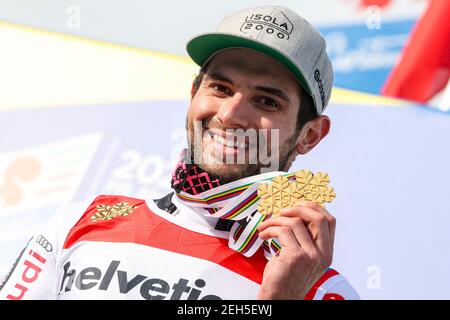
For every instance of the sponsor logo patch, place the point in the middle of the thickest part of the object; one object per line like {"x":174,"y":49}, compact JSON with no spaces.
{"x":91,"y":278}
{"x":33,"y":267}
{"x":280,"y":26}
{"x":320,"y":84}
{"x":44,"y":243}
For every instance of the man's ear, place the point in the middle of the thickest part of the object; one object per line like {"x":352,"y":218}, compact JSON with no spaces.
{"x":312,"y":133}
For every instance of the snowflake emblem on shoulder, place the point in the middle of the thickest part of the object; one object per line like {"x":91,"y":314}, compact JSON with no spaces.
{"x":105,"y":212}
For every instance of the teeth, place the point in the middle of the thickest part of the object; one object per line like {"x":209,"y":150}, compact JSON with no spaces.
{"x":228,"y":143}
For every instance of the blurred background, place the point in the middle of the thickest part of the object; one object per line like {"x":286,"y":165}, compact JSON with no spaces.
{"x":93,"y":97}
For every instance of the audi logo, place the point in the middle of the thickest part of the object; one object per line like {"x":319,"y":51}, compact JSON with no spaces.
{"x":44,"y":243}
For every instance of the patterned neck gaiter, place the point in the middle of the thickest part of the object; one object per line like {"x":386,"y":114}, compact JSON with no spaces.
{"x":234,"y":204}
{"x":190,"y":178}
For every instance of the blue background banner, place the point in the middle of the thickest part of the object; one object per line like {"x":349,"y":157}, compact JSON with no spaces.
{"x":386,"y":164}
{"x":364,"y":57}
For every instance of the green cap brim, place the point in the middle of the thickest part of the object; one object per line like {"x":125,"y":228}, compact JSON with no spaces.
{"x":201,"y":48}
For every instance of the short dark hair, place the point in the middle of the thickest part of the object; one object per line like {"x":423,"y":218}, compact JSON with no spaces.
{"x":306,"y":112}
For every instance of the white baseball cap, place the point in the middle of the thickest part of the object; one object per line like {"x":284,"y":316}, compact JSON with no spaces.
{"x":279,"y":33}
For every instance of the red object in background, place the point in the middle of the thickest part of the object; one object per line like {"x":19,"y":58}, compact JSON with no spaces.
{"x":364,"y":4}
{"x":424,"y":68}
{"x":332,"y":296}
{"x":379,"y":3}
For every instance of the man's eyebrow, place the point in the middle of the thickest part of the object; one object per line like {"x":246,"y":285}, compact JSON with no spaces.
{"x":270,"y":90}
{"x":274,"y":91}
{"x":218,"y":76}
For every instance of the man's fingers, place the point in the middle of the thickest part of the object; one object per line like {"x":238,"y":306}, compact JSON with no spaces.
{"x":298,"y":229}
{"x":331,"y":219}
{"x":284,"y":234}
{"x":317,"y":224}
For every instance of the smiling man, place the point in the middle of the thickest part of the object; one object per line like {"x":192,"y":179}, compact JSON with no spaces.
{"x":265,"y":80}
{"x":241,"y":88}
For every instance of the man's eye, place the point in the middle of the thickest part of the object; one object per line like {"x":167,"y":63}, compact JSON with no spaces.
{"x":222,"y":89}
{"x":268,"y":102}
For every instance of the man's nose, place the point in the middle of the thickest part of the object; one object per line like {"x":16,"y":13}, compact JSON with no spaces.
{"x":233,"y":112}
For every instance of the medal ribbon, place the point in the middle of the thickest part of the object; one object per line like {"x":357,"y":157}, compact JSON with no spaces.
{"x":238,"y":201}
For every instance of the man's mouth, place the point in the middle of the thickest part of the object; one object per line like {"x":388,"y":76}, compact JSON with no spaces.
{"x":227,"y":140}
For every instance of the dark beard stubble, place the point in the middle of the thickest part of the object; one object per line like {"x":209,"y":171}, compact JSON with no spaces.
{"x":232,"y":172}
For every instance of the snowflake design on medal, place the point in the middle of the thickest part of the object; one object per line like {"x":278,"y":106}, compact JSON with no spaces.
{"x":105,"y":212}
{"x":282,"y":193}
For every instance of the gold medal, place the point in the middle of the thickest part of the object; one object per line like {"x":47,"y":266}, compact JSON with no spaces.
{"x":282,"y":193}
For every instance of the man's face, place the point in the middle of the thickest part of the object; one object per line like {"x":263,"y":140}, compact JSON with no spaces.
{"x":244,"y":89}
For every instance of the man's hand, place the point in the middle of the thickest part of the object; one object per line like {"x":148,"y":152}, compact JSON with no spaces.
{"x":306,"y":233}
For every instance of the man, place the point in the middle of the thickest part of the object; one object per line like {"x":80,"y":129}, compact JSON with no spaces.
{"x":266,"y":70}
